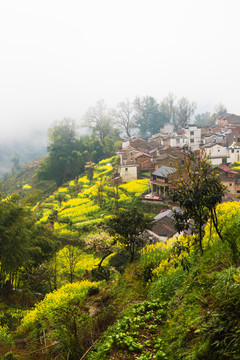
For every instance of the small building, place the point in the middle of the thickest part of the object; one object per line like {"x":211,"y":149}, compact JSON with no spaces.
{"x":128,"y":172}
{"x":234,"y":153}
{"x":233,"y":137}
{"x":217,"y":153}
{"x":229,"y":178}
{"x":229,"y":119}
{"x":160,"y":139}
{"x":126,"y":155}
{"x":166,"y":160}
{"x":208,"y":138}
{"x":163,"y":227}
{"x":136,"y":143}
{"x":143,"y":160}
{"x":177,"y":140}
{"x":169,"y":156}
{"x":160,"y":181}
{"x":193,"y":135}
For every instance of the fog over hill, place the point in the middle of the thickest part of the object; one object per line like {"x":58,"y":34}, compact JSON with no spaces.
{"x":24,"y":146}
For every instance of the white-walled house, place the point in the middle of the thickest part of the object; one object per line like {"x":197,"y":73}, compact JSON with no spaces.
{"x":193,"y":135}
{"x":178,"y":140}
{"x":234,"y":153}
{"x":217,"y":153}
{"x":128,"y":172}
{"x":190,"y":136}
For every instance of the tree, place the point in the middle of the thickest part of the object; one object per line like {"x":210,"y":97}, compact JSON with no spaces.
{"x":22,"y":242}
{"x":148,"y":117}
{"x":15,"y":164}
{"x":100,"y":120}
{"x":184,"y":110}
{"x":197,"y":190}
{"x":127,"y":227}
{"x":204,"y":119}
{"x":72,"y":257}
{"x":168,"y":107}
{"x":125,"y":118}
{"x":89,"y":170}
{"x":220,"y":109}
{"x":65,"y":160}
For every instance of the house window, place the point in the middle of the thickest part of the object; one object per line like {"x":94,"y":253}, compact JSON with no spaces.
{"x":192,"y":140}
{"x":126,"y":169}
{"x":230,"y":184}
{"x":191,"y":132}
{"x":178,"y":141}
{"x":218,"y":150}
{"x":182,"y":161}
{"x":232,"y":151}
{"x":237,"y":151}
{"x":238,"y":139}
{"x":238,"y":191}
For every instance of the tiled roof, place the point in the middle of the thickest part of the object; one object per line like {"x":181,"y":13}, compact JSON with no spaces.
{"x":141,"y":154}
{"x":164,"y":171}
{"x":227,"y":169}
{"x":164,"y":225}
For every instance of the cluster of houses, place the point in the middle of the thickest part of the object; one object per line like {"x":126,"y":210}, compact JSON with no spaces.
{"x":163,"y":152}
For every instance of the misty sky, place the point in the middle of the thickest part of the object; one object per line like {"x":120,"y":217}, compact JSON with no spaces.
{"x":59,"y":57}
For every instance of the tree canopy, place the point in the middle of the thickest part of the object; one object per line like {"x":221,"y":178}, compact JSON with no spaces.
{"x":68,"y":153}
{"x":149,"y":118}
{"x":127,"y":227}
{"x":197,"y":190}
{"x":22,"y":242}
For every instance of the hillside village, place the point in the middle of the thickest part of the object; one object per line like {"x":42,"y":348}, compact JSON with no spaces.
{"x":163,"y":152}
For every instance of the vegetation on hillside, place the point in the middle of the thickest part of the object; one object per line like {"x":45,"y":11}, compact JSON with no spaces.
{"x":164,"y":301}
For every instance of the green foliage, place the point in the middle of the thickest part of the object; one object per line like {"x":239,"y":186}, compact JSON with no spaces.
{"x":136,"y":331}
{"x":89,"y":204}
{"x":149,"y":118}
{"x":120,"y":260}
{"x":127,"y":227}
{"x":48,"y":309}
{"x":9,"y":356}
{"x":32,"y":243}
{"x":93,"y":290}
{"x":68,"y":154}
{"x":231,"y":233}
{"x":205,"y":119}
{"x":166,"y":287}
{"x":69,"y":333}
{"x":6,"y":337}
{"x":198,"y":190}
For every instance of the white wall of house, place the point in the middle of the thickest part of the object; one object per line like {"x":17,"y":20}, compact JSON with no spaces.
{"x":176,"y":141}
{"x":234,"y":154}
{"x":125,"y":143}
{"x":218,"y":154}
{"x":193,"y":134}
{"x":207,"y":139}
{"x":128,"y":172}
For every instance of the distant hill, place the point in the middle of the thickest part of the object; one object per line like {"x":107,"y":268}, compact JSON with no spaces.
{"x":23,"y":150}
{"x":15,"y":182}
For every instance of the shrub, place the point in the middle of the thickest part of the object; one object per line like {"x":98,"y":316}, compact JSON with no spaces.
{"x":5,"y":335}
{"x":9,"y":356}
{"x":93,"y":290}
{"x":120,"y":260}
